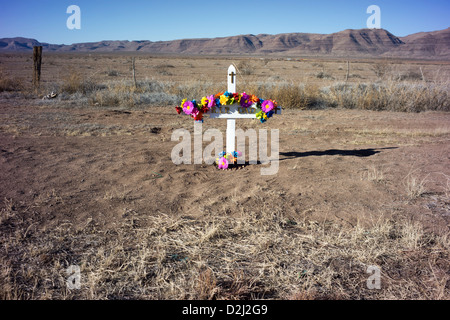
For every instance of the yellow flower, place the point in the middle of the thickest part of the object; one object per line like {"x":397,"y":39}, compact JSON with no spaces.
{"x":223,"y":100}
{"x":205,"y":101}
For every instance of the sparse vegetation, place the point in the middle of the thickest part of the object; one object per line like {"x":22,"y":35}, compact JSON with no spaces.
{"x":324,"y":75}
{"x":389,"y":95}
{"x":74,"y":82}
{"x":10,"y":84}
{"x":258,"y":255}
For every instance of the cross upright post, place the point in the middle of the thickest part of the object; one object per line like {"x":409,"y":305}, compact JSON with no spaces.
{"x":231,"y":123}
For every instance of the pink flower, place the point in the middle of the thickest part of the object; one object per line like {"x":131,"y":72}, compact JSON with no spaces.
{"x":223,"y":163}
{"x":212,"y":101}
{"x":188,"y":107}
{"x":267,"y":106}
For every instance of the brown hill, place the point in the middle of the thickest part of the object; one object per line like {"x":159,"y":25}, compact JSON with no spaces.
{"x":425,"y":44}
{"x":347,"y":43}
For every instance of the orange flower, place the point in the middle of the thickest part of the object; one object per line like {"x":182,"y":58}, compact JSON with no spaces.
{"x":254,"y":98}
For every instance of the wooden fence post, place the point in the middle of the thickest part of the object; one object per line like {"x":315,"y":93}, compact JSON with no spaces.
{"x":133,"y":66}
{"x":348,"y":71}
{"x":37,"y":60}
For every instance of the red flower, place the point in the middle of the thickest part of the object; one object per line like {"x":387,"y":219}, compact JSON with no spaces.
{"x":204,"y":109}
{"x":198,"y":116}
{"x":179,"y":110}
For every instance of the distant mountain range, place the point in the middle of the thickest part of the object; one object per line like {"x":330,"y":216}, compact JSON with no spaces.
{"x":347,"y":43}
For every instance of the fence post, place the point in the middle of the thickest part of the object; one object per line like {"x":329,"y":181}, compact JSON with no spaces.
{"x":37,"y":60}
{"x":348,"y":71}
{"x":133,"y":66}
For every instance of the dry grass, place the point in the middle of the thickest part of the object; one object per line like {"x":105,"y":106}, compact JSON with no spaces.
{"x":8,"y":83}
{"x":372,"y":85}
{"x":257,"y":254}
{"x":415,"y":186}
{"x":387,"y":96}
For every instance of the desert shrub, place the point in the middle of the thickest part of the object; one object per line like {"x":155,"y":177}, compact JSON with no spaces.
{"x":163,"y":69}
{"x":195,"y":89}
{"x":410,"y":75}
{"x":113,"y":73}
{"x":324,"y":75}
{"x":245,"y":67}
{"x":157,"y":98}
{"x":10,"y":84}
{"x":391,"y":96}
{"x":151,"y":85}
{"x":74,"y":82}
{"x":380,"y":69}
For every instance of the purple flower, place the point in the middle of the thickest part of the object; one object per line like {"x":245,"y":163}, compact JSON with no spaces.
{"x":246,"y":100}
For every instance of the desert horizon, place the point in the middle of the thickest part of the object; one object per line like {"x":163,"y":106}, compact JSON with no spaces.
{"x":349,"y":43}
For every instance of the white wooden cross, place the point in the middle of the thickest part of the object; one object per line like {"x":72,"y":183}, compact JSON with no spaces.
{"x":233,"y":112}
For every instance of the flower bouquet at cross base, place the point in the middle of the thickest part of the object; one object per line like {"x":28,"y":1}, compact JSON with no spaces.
{"x":227,"y":159}
{"x":265,"y":108}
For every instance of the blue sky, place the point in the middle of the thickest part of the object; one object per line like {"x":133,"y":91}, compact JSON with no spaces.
{"x":45,"y":20}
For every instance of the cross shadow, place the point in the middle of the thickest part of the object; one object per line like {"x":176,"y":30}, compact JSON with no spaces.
{"x":362,"y":153}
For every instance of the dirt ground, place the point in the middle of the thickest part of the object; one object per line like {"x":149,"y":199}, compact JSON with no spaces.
{"x":100,"y":166}
{"x":95,"y":186}
{"x":100,"y":163}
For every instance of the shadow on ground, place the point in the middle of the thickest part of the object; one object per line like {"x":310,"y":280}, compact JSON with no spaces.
{"x":333,"y":152}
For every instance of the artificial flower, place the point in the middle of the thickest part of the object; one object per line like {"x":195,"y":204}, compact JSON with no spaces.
{"x":179,"y":110}
{"x":231,"y":159}
{"x":245,"y":100}
{"x":223,"y":163}
{"x":217,"y":96}
{"x":194,"y":112}
{"x":267,"y":106}
{"x":188,"y":107}
{"x":198,"y":116}
{"x":224,"y":99}
{"x":211,"y":101}
{"x":204,"y":109}
{"x":261,"y":116}
{"x":205,"y":101}
{"x":237,"y":154}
